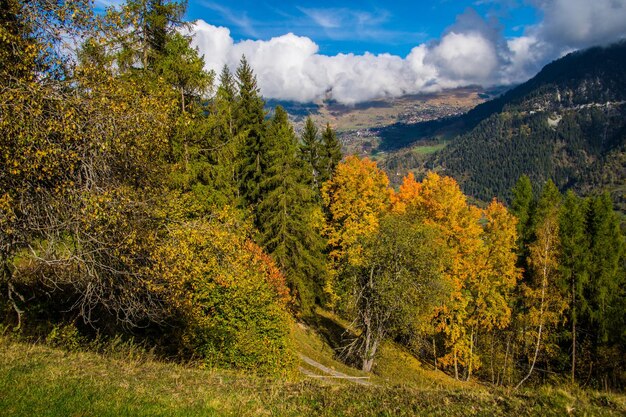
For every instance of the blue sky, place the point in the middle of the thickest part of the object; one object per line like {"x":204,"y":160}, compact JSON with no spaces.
{"x":358,"y":26}
{"x":356,"y":51}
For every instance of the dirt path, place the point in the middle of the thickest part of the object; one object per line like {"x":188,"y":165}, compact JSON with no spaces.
{"x":330,"y":373}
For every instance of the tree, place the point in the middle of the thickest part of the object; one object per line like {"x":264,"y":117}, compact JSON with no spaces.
{"x":605,"y":292}
{"x":574,"y":261}
{"x":226,"y":147}
{"x":182,"y":68}
{"x":355,"y":199}
{"x":489,"y":289}
{"x":544,"y":301}
{"x":330,"y":154}
{"x":311,"y":150}
{"x":397,"y":284}
{"x":441,"y":203}
{"x":285,"y":213}
{"x":148,"y":24}
{"x":250,"y":116}
{"x":40,"y":123}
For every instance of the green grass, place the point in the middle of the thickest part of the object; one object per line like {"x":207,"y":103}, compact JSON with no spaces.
{"x":428,"y":149}
{"x":36,"y":380}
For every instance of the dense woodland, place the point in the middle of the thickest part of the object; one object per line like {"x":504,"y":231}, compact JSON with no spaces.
{"x":566,"y":124}
{"x":143,"y":197}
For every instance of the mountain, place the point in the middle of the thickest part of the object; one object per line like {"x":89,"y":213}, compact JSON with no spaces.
{"x":568,"y":124}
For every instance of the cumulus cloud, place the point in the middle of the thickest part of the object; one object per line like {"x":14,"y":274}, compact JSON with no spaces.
{"x":580,"y":23}
{"x":471,"y":51}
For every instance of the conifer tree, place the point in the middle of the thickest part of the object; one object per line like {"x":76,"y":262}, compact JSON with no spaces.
{"x":183,"y":68}
{"x":311,"y":151}
{"x":574,"y":262}
{"x":522,"y":207}
{"x":149,"y":24}
{"x":607,"y":249}
{"x":226,"y":147}
{"x":330,"y":154}
{"x":250,"y":117}
{"x":285,"y":213}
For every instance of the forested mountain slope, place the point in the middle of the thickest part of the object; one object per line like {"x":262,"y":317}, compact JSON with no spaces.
{"x":567,"y":123}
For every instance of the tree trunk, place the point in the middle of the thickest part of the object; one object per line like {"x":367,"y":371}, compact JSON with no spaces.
{"x":506,"y":357}
{"x":544,"y":285}
{"x":456,"y":366}
{"x":469,"y":368}
{"x":435,"y":352}
{"x":493,"y":372}
{"x":370,"y":344}
{"x":573,"y":330}
{"x":543,"y":293}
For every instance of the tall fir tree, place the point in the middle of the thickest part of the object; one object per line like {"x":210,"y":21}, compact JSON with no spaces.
{"x":606,"y":293}
{"x":607,"y":247}
{"x":311,"y":150}
{"x":286,"y":211}
{"x":250,"y":116}
{"x":330,"y":154}
{"x":226,"y":147}
{"x":574,"y":264}
{"x":522,"y":207}
{"x":150,"y":23}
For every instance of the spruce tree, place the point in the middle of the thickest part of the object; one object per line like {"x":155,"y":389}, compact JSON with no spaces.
{"x":250,"y":115}
{"x":311,"y":150}
{"x":522,"y":207}
{"x":574,"y":263}
{"x":226,"y":144}
{"x":607,"y":248}
{"x":150,"y":23}
{"x":606,"y":293}
{"x":285,"y":213}
{"x":330,"y":154}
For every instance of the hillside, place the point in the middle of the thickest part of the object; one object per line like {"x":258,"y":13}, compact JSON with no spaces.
{"x":567,"y":124}
{"x":43,"y":381}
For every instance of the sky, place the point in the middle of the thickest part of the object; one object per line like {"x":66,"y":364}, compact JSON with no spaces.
{"x":354,"y":51}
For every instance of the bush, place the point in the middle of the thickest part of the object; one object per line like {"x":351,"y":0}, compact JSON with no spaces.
{"x":232,"y":297}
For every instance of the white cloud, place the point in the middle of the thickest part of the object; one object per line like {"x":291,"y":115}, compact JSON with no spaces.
{"x":326,"y":18}
{"x":471,"y":51}
{"x":465,"y":58}
{"x":580,"y":23}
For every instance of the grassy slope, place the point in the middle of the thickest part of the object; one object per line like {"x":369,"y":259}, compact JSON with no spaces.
{"x":37,"y":380}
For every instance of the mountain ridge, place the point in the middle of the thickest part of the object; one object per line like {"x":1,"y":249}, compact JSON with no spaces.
{"x":568,"y":124}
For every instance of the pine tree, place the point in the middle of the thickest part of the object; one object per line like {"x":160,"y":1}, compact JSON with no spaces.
{"x":150,"y":23}
{"x":330,"y":154}
{"x":285,"y":213}
{"x":574,"y":262}
{"x":522,"y":207}
{"x":311,"y":150}
{"x":226,"y":146}
{"x":607,"y":249}
{"x":250,"y":115}
{"x":544,"y":301}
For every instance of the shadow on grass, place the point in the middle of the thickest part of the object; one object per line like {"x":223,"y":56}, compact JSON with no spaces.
{"x":334,"y":333}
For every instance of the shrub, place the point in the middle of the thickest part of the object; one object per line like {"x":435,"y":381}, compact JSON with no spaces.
{"x":231,"y":296}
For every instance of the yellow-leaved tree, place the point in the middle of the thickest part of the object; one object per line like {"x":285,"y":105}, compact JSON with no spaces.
{"x":355,"y":199}
{"x":481,"y":271}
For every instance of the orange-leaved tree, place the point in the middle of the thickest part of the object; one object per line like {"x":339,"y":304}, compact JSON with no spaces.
{"x":441,"y":203}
